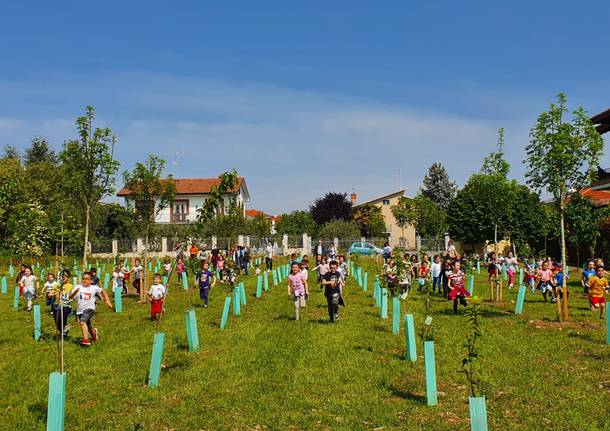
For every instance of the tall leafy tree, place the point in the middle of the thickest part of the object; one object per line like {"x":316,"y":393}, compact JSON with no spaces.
{"x":151,"y":194}
{"x":369,"y":220}
{"x":437,"y":186}
{"x":340,"y":229}
{"x":90,"y":167}
{"x":220,"y":210}
{"x":496,"y":190}
{"x":428,"y":218}
{"x":39,"y":152}
{"x":30,"y":230}
{"x":296,"y":223}
{"x":562,"y":156}
{"x":331,"y":206}
{"x":260,"y":226}
{"x":583,"y":221}
{"x":11,"y":152}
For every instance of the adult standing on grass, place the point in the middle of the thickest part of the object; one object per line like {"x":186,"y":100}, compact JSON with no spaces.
{"x":85,"y":308}
{"x":269,"y":257}
{"x":319,"y":250}
{"x":333,"y":288}
{"x":298,"y":289}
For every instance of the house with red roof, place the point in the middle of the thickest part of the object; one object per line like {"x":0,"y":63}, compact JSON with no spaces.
{"x":191,"y":193}
{"x":252,"y":213}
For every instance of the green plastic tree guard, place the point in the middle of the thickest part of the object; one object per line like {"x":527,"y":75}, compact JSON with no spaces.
{"x":56,"y":402}
{"x":520,"y":300}
{"x":154,"y":375}
{"x":377,"y":292}
{"x":266,"y":281}
{"x":275,"y":279}
{"x":365,"y":282}
{"x":185,"y":281}
{"x":242,"y":291}
{"x":359,"y":276}
{"x":410,"y":342}
{"x":395,"y":315}
{"x":471,"y":285}
{"x":225,"y":312}
{"x":384,"y":303}
{"x":478,"y":267}
{"x":37,"y":322}
{"x":607,"y":322}
{"x":4,"y":285}
{"x":520,"y":276}
{"x":106,"y":281}
{"x":478,"y":413}
{"x":11,"y":271}
{"x":118,"y":300}
{"x":431,"y":395}
{"x":16,"y":299}
{"x":259,"y":286}
{"x":192,"y":333}
{"x":236,"y":301}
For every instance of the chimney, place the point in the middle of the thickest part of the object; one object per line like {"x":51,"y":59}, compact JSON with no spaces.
{"x":354,"y":197}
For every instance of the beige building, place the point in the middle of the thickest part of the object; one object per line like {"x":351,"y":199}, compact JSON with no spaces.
{"x":397,"y":236}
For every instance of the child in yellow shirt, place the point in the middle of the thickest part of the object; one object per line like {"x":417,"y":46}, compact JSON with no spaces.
{"x":598,"y":285}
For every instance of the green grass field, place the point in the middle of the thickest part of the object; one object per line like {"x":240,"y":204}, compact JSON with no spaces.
{"x":266,"y":371}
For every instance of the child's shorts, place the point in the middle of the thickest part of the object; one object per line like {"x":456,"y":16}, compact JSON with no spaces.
{"x":597,"y":300}
{"x":29,"y":294}
{"x":86,"y":316}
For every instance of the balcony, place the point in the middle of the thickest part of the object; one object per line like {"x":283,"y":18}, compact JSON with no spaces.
{"x":179,"y":218}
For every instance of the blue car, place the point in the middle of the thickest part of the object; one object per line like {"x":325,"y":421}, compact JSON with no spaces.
{"x":364,"y":248}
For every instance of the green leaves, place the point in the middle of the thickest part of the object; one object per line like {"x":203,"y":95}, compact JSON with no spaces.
{"x":150,"y":191}
{"x":562,"y":156}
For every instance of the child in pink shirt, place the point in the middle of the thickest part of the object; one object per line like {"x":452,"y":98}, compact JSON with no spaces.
{"x":297,"y":287}
{"x":544,"y":277}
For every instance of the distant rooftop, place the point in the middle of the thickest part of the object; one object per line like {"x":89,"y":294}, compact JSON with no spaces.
{"x":602,"y":121}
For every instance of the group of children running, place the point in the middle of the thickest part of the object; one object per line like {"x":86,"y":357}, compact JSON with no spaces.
{"x":444,"y":277}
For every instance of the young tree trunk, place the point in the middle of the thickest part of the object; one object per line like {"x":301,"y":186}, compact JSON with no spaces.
{"x":564,"y":284}
{"x":86,"y":248}
{"x":145,"y":270}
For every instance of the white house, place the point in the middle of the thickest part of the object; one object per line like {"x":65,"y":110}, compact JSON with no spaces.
{"x":190,"y":195}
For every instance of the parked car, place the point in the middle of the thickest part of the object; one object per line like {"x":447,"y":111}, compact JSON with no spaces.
{"x":364,"y":248}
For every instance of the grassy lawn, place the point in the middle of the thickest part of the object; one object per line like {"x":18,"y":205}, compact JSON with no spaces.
{"x":266,"y":371}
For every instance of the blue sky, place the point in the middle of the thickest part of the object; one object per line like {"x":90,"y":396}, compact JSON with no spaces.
{"x":301,"y":97}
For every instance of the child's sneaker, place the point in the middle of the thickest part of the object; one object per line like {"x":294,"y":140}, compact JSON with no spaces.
{"x":94,"y":335}
{"x":85,"y":342}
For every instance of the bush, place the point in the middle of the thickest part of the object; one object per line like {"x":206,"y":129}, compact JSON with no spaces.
{"x":339,"y":229}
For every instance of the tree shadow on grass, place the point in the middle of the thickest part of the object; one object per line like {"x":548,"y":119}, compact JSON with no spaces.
{"x":405,"y":395}
{"x":39,"y":411}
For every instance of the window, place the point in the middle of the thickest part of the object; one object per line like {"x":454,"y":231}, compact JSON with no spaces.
{"x":179,"y":211}
{"x":386,"y":202}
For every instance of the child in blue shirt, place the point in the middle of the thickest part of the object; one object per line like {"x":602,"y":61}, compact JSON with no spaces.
{"x":207,"y":280}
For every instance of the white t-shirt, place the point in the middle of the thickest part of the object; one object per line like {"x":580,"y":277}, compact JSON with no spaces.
{"x":304,"y":273}
{"x":137,"y":271}
{"x":167,"y":267}
{"x":436,"y":269}
{"x":270,"y":251}
{"x":29,"y":282}
{"x":85,"y":297}
{"x":157,"y":291}
{"x":117,"y":279}
{"x":50,"y":285}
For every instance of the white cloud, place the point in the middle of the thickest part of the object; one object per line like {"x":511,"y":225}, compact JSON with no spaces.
{"x":291,"y":146}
